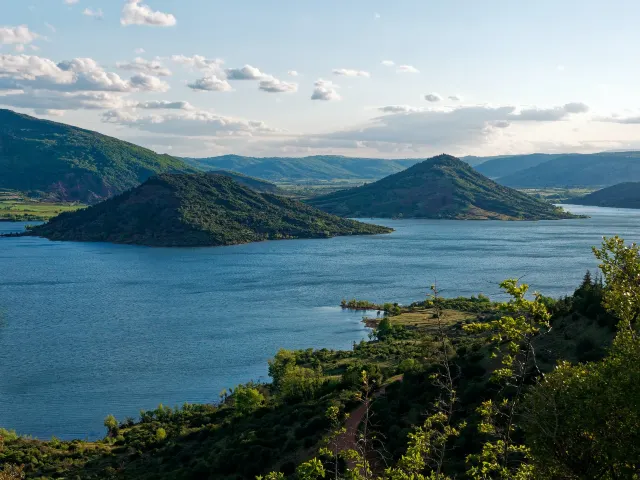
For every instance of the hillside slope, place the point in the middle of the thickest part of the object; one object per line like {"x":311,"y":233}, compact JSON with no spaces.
{"x":602,"y":169}
{"x":510,"y":164}
{"x":316,"y":168}
{"x":441,"y":187}
{"x":197,"y":210}
{"x":623,"y":195}
{"x":70,"y":163}
{"x":253,"y":183}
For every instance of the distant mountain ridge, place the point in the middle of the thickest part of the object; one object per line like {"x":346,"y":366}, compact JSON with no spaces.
{"x":622,"y":195}
{"x":70,"y":163}
{"x":253,"y":183}
{"x":317,"y":168}
{"x":441,"y":187}
{"x":186,"y":210}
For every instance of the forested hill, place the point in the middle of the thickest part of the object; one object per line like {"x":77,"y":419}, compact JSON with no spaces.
{"x":253,"y":183}
{"x":509,"y":164}
{"x":70,"y":163}
{"x":441,"y":187}
{"x":574,"y":170}
{"x":197,"y":210}
{"x":623,"y":195}
{"x":316,"y":168}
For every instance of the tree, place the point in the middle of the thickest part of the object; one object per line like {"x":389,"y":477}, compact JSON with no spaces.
{"x":247,"y":399}
{"x":300,"y":383}
{"x":161,"y":434}
{"x":112,"y":425}
{"x":279,"y":365}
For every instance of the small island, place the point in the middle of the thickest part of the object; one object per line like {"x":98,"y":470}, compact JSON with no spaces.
{"x":442,"y":187}
{"x":189,"y":210}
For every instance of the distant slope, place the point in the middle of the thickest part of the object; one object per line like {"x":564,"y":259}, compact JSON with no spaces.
{"x":623,"y":195}
{"x":316,"y":168}
{"x":441,"y":187}
{"x":574,"y":170}
{"x":72,"y":164}
{"x":253,"y":183}
{"x":197,"y":210}
{"x":510,"y":164}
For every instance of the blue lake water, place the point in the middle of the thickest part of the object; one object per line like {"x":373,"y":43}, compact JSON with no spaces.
{"x":90,"y":329}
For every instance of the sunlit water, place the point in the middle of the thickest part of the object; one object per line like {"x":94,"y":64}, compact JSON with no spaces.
{"x":90,"y":329}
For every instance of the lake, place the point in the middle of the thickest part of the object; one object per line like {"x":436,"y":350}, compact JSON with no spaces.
{"x":90,"y":329}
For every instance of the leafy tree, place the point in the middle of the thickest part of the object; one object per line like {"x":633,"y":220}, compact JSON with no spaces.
{"x":247,"y":399}
{"x":161,"y":434}
{"x":278,"y":366}
{"x":300,"y":383}
{"x":112,"y":425}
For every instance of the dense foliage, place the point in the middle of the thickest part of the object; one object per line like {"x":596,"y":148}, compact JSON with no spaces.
{"x":197,"y":210}
{"x":72,"y":164}
{"x":253,"y":183}
{"x":574,"y":170}
{"x":623,"y":195}
{"x":441,"y":187}
{"x":324,"y":168}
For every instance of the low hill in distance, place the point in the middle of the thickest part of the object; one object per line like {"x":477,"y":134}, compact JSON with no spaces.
{"x":71,"y":164}
{"x":623,"y":195}
{"x":185,"y":210}
{"x":325,"y":168}
{"x":574,"y":170}
{"x":497,"y":167}
{"x":441,"y":187}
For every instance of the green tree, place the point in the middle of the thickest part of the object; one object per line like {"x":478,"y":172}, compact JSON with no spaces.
{"x":278,"y":366}
{"x":247,"y":399}
{"x":112,"y":425}
{"x":300,"y":383}
{"x":161,"y":434}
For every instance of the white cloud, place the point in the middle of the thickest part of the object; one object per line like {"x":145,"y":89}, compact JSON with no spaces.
{"x":325,"y":90}
{"x":376,"y":16}
{"x":51,"y":28}
{"x":137,"y":13}
{"x":79,"y":74}
{"x":432,"y":97}
{"x":164,"y":105}
{"x":90,"y":12}
{"x":193,"y":123}
{"x":210,"y":83}
{"x":345,"y":72}
{"x":455,"y":98}
{"x":49,"y":112}
{"x":245,"y":73}
{"x":576,"y":107}
{"x":292,"y":73}
{"x":273,"y":85}
{"x":139,"y":51}
{"x":550,"y":114}
{"x":51,"y":100}
{"x":388,"y":63}
{"x":198,"y":62}
{"x":407,"y":69}
{"x":399,"y":109}
{"x":151,"y":67}
{"x":20,"y":35}
{"x":71,"y":2}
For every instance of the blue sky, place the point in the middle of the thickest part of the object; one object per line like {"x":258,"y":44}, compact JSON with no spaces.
{"x":409,"y":78}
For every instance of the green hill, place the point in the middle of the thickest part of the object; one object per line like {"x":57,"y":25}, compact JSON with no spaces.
{"x":441,"y":187}
{"x":72,"y":164}
{"x":574,"y":170}
{"x":253,"y":183}
{"x":623,"y":195}
{"x":509,"y":164}
{"x":197,"y":210}
{"x":317,"y":168}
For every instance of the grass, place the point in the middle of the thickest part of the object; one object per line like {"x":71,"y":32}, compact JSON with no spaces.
{"x":15,"y":206}
{"x":557,"y":195}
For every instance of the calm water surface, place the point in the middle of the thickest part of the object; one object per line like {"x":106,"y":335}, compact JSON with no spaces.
{"x":91,"y":329}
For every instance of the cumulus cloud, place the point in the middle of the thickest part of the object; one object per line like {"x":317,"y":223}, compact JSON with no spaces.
{"x":49,"y":112}
{"x":151,"y":67}
{"x":192,"y":123}
{"x":148,"y":83}
{"x":455,"y":98}
{"x":432,"y":97}
{"x":139,"y":51}
{"x":346,"y":72}
{"x":550,"y":114}
{"x":398,"y":109}
{"x":325,"y":90}
{"x":273,"y":85}
{"x":98,"y":14}
{"x":245,"y":73}
{"x":164,"y":105}
{"x":51,"y":28}
{"x":292,"y":73}
{"x":20,"y":35}
{"x":51,"y":100}
{"x":407,"y":69}
{"x":198,"y":62}
{"x":137,"y":13}
{"x":71,"y":2}
{"x":210,"y":83}
{"x":388,"y":63}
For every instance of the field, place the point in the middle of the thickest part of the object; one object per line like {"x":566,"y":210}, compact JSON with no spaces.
{"x":16,"y":207}
{"x":557,"y":195}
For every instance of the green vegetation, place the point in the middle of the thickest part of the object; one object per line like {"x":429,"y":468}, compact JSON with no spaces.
{"x":623,"y":195}
{"x":197,"y":210}
{"x":532,"y":388}
{"x":253,"y":183}
{"x":557,"y":195}
{"x":442,"y":187}
{"x":71,"y":164}
{"x":302,"y":170}
{"x":574,"y":170}
{"x":497,"y":167}
{"x":16,"y":207}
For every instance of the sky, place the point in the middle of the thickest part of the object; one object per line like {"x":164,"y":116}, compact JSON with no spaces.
{"x":365,"y":78}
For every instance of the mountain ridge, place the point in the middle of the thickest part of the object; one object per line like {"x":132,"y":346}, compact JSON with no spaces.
{"x":622,"y":195}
